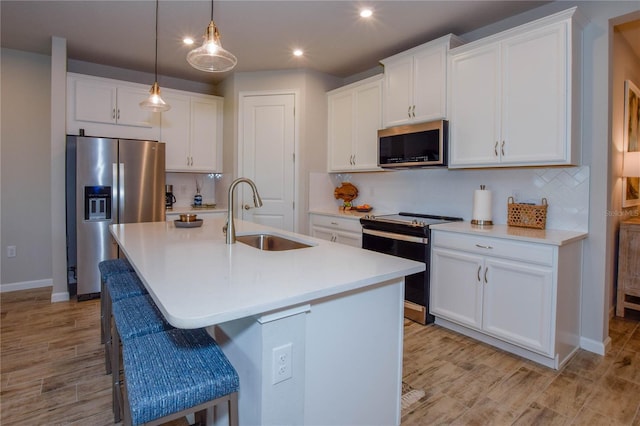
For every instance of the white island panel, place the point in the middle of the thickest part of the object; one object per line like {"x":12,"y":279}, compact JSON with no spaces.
{"x":339,"y":307}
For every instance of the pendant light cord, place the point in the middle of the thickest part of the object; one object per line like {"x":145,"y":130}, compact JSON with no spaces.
{"x":156,"y":61}
{"x":212,"y":10}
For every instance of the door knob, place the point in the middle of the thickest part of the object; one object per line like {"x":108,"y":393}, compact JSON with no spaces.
{"x":247,"y":207}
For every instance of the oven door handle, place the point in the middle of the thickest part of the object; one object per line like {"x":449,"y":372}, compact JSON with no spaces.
{"x":394,"y":236}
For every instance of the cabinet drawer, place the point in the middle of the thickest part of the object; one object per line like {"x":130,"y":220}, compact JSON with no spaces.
{"x":516,"y":250}
{"x":352,"y":225}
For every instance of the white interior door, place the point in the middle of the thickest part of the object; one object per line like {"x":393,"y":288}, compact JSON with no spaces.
{"x":267,"y":148}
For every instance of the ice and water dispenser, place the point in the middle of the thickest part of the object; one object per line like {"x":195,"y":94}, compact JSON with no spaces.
{"x":97,"y":203}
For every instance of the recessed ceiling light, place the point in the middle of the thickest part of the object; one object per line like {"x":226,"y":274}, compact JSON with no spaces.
{"x":188,"y":41}
{"x":366,"y":13}
{"x":298,"y":52}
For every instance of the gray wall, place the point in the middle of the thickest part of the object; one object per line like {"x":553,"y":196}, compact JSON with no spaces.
{"x":26,"y":168}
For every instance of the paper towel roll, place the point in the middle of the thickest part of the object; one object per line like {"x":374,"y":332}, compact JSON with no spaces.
{"x":482,"y":207}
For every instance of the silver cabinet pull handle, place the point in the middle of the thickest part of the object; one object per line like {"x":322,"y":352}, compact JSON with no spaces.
{"x":502,"y":148}
{"x":409,"y":111}
{"x":334,"y":223}
{"x":118,"y":113}
{"x":413,"y":111}
{"x":113,"y":114}
{"x":479,"y":269}
{"x":483,"y":247}
{"x":485,"y":275}
{"x":495,"y":149}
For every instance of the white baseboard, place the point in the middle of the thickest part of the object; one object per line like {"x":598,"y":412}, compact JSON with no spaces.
{"x":595,"y":346}
{"x":26,"y":285}
{"x":60,"y":297}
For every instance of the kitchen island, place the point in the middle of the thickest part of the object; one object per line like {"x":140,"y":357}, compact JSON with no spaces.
{"x":314,"y":333}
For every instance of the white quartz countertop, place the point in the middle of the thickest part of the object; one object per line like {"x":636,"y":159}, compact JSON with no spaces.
{"x":197,"y":280}
{"x":543,"y":236}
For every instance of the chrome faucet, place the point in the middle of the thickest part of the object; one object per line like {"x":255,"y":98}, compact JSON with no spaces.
{"x":257,"y":201}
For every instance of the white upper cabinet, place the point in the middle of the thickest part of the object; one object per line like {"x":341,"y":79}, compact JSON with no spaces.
{"x":415,"y":83}
{"x":192,"y":130}
{"x":105,"y":107}
{"x":514,"y":98}
{"x":355,"y":115}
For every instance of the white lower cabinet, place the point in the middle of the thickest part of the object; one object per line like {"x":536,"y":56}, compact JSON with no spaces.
{"x":523,"y":294}
{"x":336,"y":229}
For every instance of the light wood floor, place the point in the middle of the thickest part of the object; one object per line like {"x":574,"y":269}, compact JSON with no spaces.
{"x":52,"y":373}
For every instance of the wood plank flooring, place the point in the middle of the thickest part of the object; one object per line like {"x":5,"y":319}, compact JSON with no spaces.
{"x":52,"y":373}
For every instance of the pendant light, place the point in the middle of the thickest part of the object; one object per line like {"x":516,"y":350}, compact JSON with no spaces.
{"x":154,"y":102}
{"x":211,"y":56}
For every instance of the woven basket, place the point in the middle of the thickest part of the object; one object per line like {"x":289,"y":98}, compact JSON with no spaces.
{"x":527,"y":215}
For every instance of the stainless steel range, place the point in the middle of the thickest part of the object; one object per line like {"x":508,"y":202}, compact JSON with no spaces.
{"x":406,"y":235}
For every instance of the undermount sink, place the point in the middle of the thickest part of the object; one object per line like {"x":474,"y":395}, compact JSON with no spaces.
{"x":270,"y":242}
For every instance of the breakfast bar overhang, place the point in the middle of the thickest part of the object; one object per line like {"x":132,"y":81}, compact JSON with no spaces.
{"x":315,"y":333}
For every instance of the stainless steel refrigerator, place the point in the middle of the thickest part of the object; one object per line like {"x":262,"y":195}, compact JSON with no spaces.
{"x":108,"y":181}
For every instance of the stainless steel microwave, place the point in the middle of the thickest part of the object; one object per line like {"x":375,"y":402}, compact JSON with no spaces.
{"x":414,"y":145}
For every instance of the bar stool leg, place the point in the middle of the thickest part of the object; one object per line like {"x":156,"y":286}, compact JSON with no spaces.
{"x":116,"y":392}
{"x":108,"y":339}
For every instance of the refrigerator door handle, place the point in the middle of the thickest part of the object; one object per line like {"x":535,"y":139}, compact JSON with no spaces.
{"x":120,"y":191}
{"x":114,"y":193}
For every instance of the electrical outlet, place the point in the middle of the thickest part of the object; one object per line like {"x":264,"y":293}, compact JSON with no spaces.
{"x":11,"y":251}
{"x":281,"y":363}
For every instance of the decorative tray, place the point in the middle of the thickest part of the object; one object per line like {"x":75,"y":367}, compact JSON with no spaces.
{"x":362,"y":209}
{"x":180,"y":224}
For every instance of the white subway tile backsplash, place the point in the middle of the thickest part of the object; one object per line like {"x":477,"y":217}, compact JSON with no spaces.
{"x":450,"y":192}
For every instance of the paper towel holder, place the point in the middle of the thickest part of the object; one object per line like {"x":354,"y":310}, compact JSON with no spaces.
{"x":481,"y":222}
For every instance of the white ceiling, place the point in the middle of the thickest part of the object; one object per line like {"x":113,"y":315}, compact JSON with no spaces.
{"x":260,"y":33}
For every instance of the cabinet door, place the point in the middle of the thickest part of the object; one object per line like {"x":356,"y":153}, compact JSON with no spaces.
{"x":456,"y":287}
{"x":95,"y":102}
{"x":534,"y":96}
{"x":368,"y":119}
{"x":348,"y":238}
{"x":129,"y":112}
{"x":205,"y":131}
{"x":518,"y":302}
{"x":474,"y":107}
{"x":398,"y":92}
{"x":429,"y":84}
{"x":175,"y":132}
{"x":341,"y":128}
{"x":322,"y":233}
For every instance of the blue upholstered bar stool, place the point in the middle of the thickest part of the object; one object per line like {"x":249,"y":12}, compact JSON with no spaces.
{"x":108,"y":268}
{"x":132,"y":317}
{"x":118,"y":287}
{"x":174,"y":373}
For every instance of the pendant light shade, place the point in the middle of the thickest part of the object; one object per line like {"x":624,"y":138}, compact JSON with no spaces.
{"x":211,"y":56}
{"x":154,"y":102}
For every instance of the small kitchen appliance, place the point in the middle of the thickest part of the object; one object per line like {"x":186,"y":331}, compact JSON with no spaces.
{"x":406,"y":235}
{"x":170,"y":199}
